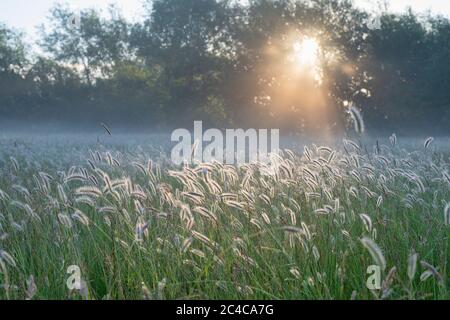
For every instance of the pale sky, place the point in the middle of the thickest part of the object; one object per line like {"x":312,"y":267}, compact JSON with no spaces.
{"x":25,"y":15}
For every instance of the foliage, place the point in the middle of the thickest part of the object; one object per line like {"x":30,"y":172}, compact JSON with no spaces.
{"x":164,"y":70}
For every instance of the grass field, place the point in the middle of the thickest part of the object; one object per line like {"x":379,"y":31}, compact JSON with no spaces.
{"x":143,"y":229}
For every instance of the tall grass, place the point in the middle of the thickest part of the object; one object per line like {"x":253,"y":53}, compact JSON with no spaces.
{"x":141,"y":229}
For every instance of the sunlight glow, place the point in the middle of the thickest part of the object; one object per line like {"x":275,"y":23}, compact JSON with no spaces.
{"x":307,"y":52}
{"x":306,"y":55}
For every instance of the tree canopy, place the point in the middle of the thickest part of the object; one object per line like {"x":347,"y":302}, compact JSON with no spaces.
{"x":229,"y":63}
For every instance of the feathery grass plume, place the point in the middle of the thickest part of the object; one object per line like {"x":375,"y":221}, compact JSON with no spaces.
{"x":75,"y":177}
{"x":94,"y":180}
{"x":138,"y":207}
{"x":15,"y":164}
{"x":266,"y":199}
{"x":292,"y":216}
{"x":446,"y":176}
{"x":265,"y":218}
{"x":98,"y":156}
{"x":383,"y":160}
{"x":3,"y":195}
{"x":369,"y":169}
{"x":447,"y":214}
{"x":126,"y":215}
{"x":206,"y":213}
{"x":428,"y":142}
{"x":387,"y":282}
{"x":326,"y":149}
{"x":106,"y":128}
{"x":353,"y":191}
{"x":290,"y":153}
{"x":139,"y":194}
{"x":195,"y":197}
{"x":412,"y":265}
{"x":84,"y":290}
{"x":248,"y":260}
{"x":80,"y":217}
{"x":374,"y":233}
{"x":256,"y":223}
{"x":31,"y":288}
{"x":307,"y":153}
{"x":146,"y":294}
{"x":321,"y":211}
{"x":331,"y":157}
{"x":433,"y":271}
{"x":89,"y":191}
{"x":46,"y":176}
{"x":32,"y":213}
{"x":292,"y":229}
{"x":198,"y":253}
{"x":17,"y":226}
{"x":425,"y":275}
{"x":352,"y":143}
{"x":310,"y":173}
{"x":202,"y":238}
{"x":235,"y":204}
{"x":379,"y":201}
{"x":186,"y":244}
{"x":375,"y":252}
{"x":356,"y":176}
{"x":419,"y":184}
{"x":161,"y":287}
{"x":213,"y":186}
{"x":141,"y":230}
{"x":306,"y":231}
{"x":109,"y":210}
{"x":109,"y":160}
{"x":295,"y":272}
{"x":22,"y":190}
{"x":393,"y":139}
{"x":5,"y":256}
{"x":316,"y":253}
{"x":367,"y":222}
{"x":116,"y":162}
{"x":61,"y":193}
{"x":91,"y":164}
{"x":357,"y":119}
{"x":65,"y":220}
{"x":249,"y":198}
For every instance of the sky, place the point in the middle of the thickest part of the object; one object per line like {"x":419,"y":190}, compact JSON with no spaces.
{"x":25,"y":15}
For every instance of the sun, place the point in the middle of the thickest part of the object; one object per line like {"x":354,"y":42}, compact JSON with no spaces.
{"x":306,"y":52}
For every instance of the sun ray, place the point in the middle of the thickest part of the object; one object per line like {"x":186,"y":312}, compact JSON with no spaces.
{"x":306,"y":52}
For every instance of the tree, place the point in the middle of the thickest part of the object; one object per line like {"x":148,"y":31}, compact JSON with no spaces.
{"x":13,"y":87}
{"x":186,"y":38}
{"x":85,"y":41}
{"x":411,"y":76}
{"x":263,"y":82}
{"x":223,"y":61}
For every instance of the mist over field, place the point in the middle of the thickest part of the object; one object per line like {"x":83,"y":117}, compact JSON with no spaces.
{"x":121,"y":167}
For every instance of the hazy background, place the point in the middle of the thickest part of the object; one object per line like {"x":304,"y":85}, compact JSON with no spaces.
{"x":157,"y":65}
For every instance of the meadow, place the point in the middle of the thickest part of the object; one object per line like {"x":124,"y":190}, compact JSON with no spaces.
{"x":138,"y":227}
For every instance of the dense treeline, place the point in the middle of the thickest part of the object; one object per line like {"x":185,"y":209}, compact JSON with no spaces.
{"x":230,"y":64}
